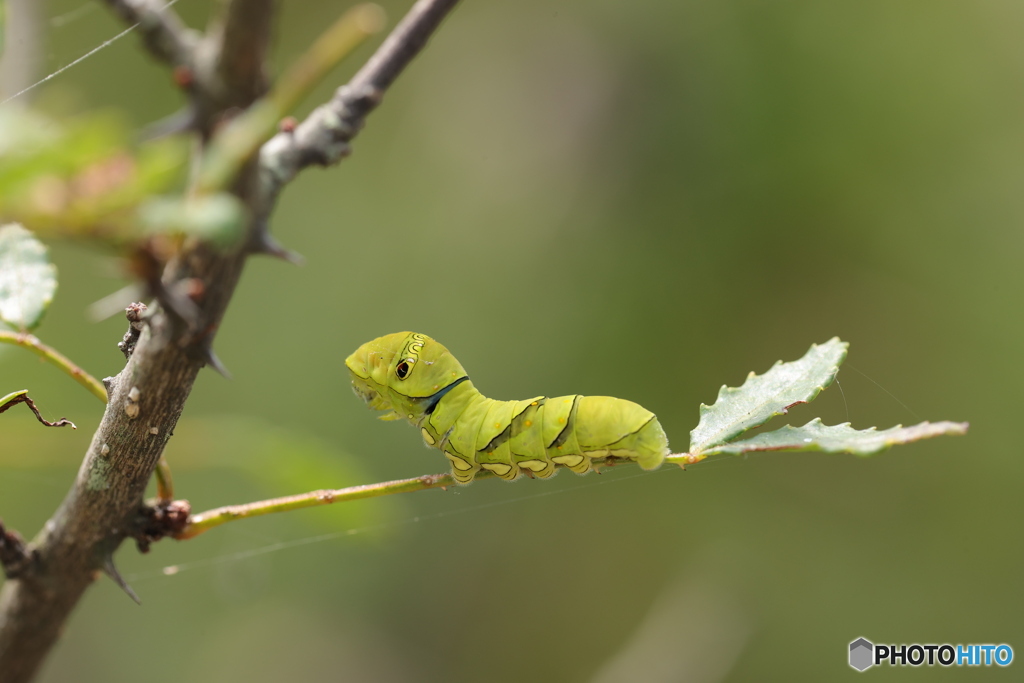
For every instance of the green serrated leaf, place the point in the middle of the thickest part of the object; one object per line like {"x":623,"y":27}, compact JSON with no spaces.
{"x":842,"y":438}
{"x":762,"y":397}
{"x":27,"y":278}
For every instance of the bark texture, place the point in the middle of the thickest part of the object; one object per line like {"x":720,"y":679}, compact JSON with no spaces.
{"x":225,"y":72}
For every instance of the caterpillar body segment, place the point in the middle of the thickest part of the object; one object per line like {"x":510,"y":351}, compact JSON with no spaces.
{"x":416,"y":378}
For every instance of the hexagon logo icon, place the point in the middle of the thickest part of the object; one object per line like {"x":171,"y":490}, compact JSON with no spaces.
{"x":862,"y":654}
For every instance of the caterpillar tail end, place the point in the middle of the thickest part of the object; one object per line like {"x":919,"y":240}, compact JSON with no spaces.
{"x":651,"y":446}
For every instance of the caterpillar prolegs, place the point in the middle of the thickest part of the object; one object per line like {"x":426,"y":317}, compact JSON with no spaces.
{"x":416,"y":378}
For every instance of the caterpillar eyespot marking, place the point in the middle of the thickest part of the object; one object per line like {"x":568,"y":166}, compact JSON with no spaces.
{"x":535,"y":437}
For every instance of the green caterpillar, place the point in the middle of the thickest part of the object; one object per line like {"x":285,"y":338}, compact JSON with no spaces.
{"x":417,"y":378}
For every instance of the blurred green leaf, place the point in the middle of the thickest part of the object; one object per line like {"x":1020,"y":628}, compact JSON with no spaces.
{"x":34,"y":145}
{"x":762,"y":397}
{"x":80,"y":177}
{"x":216,"y":218}
{"x":27,"y":278}
{"x":815,"y":436}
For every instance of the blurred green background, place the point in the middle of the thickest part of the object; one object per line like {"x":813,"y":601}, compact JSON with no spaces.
{"x":640,"y":199}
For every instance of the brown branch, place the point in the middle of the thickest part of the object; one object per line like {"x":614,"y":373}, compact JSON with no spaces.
{"x":221,"y":71}
{"x":238,"y":41}
{"x":148,"y":395}
{"x":146,"y":400}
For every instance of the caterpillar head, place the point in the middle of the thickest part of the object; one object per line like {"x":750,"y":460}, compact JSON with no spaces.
{"x":400,"y":373}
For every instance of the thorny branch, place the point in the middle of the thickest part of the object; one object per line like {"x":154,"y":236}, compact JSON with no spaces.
{"x":322,"y":138}
{"x":147,"y":397}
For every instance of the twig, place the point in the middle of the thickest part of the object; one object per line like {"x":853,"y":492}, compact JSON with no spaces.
{"x":149,"y":394}
{"x":55,"y":357}
{"x":135,"y":312}
{"x":236,"y":142}
{"x":323,"y":137}
{"x":684,"y":459}
{"x":239,"y":39}
{"x":10,"y":400}
{"x":165,"y":35}
{"x":204,"y":521}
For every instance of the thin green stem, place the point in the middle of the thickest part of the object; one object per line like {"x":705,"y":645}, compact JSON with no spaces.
{"x":55,"y":357}
{"x":204,"y":521}
{"x":684,"y":459}
{"x":164,"y":481}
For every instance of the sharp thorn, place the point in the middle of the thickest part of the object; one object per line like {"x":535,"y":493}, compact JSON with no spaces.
{"x":213,"y":361}
{"x":110,"y":570}
{"x":264,"y":244}
{"x":180,"y":121}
